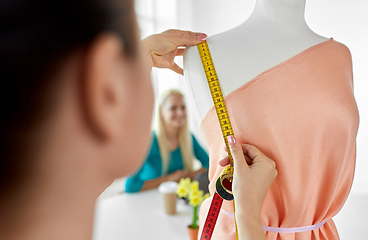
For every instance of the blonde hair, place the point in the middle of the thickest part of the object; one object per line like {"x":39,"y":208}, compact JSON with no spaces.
{"x":185,"y":138}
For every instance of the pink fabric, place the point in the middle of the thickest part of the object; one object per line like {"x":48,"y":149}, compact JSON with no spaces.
{"x":302,"y":114}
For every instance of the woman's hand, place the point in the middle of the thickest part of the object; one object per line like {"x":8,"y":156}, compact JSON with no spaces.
{"x":193,"y":174}
{"x":177,"y":175}
{"x":253,"y":175}
{"x":162,"y":48}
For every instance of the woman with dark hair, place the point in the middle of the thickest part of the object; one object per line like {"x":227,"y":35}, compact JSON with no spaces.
{"x":76,"y":107}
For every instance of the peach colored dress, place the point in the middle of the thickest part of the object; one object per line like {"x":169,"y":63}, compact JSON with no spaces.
{"x":302,"y":114}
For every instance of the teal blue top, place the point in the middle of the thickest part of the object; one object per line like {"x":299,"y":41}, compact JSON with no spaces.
{"x":152,"y":168}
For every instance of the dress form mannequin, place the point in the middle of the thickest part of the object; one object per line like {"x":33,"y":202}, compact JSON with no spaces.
{"x":275,"y":32}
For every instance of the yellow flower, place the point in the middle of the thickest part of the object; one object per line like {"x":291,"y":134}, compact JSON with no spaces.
{"x":195,"y":200}
{"x":183,"y":188}
{"x":182,"y":191}
{"x":195,"y":193}
{"x":181,"y":182}
{"x":194,"y":186}
{"x":190,"y":190}
{"x":195,"y":197}
{"x":186,"y":181}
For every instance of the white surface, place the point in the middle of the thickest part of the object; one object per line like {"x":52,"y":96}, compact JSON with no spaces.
{"x":118,"y":186}
{"x":351,"y":221}
{"x":140,"y":216}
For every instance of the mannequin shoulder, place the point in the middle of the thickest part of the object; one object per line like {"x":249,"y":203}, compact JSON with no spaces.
{"x":192,"y":59}
{"x":197,"y":82}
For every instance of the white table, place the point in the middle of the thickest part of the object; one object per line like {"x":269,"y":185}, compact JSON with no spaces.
{"x":140,"y":216}
{"x":123,"y":216}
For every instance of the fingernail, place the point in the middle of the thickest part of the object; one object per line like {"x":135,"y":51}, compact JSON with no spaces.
{"x":202,"y":37}
{"x":231,"y":140}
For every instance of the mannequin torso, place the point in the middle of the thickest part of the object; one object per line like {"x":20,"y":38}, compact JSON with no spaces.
{"x":275,"y":32}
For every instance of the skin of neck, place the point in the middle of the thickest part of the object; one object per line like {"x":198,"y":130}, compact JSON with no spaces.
{"x":172,"y":133}
{"x":58,"y":200}
{"x":172,"y":136}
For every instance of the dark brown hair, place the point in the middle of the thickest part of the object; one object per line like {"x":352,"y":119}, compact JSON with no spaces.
{"x":35,"y":36}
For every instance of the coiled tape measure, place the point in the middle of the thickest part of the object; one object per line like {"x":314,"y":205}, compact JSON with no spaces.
{"x":223,"y":183}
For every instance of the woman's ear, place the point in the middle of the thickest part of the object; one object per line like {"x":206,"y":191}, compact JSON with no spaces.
{"x":100,"y":90}
{"x":117,"y":99}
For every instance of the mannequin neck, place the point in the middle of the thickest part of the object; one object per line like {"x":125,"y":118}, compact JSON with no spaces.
{"x":285,"y":13}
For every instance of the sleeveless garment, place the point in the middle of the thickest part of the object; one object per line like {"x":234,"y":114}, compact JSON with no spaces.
{"x":303,"y":115}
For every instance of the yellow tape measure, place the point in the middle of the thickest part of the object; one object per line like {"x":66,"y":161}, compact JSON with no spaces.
{"x":223,"y":184}
{"x":216,"y":93}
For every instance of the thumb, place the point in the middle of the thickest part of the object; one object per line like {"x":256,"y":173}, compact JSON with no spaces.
{"x":240,"y":164}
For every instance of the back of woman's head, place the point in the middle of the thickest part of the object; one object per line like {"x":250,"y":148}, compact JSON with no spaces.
{"x":35,"y":37}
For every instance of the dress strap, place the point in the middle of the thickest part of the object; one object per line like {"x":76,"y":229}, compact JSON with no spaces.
{"x":294,"y":230}
{"x":286,"y":230}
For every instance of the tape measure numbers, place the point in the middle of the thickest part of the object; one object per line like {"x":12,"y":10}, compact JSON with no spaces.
{"x":216,"y":93}
{"x":212,"y":216}
{"x":223,"y":184}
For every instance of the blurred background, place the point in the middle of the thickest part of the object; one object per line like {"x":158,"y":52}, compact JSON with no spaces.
{"x":345,"y":21}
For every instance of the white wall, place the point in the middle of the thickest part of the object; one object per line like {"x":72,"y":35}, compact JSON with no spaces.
{"x":345,"y":21}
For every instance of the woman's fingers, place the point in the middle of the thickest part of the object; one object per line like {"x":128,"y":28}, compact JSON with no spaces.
{"x":176,"y":69}
{"x":252,"y":151}
{"x":238,"y":155}
{"x":184,"y":38}
{"x":180,"y":52}
{"x":182,"y":32}
{"x":162,"y":48}
{"x":225,"y":161}
{"x":248,"y":159}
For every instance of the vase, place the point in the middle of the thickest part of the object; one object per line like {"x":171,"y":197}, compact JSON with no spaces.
{"x":193,"y":233}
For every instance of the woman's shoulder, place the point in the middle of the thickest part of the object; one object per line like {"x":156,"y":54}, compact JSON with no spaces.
{"x":153,"y":136}
{"x":194,"y":140}
{"x":193,"y":137}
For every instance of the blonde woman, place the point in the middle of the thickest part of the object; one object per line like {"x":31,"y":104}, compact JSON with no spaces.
{"x":173,"y":147}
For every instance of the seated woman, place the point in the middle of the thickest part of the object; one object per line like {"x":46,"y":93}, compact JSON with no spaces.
{"x":173,"y":147}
